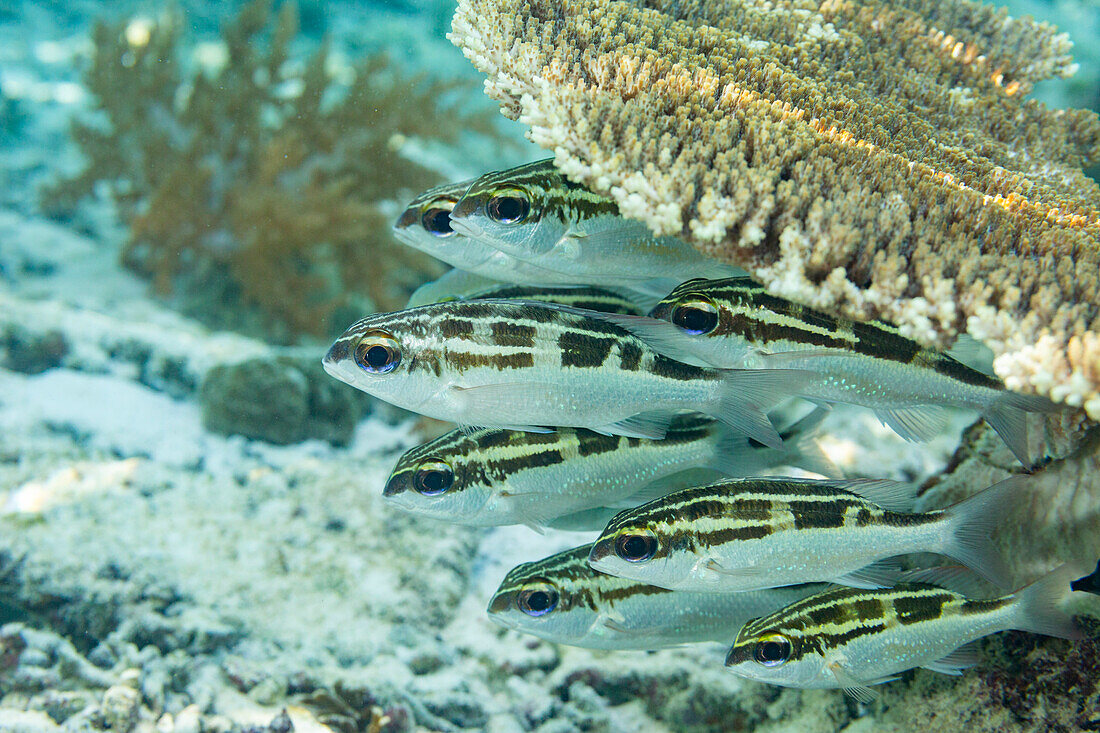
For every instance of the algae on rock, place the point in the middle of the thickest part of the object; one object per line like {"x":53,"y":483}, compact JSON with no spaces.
{"x":260,"y":181}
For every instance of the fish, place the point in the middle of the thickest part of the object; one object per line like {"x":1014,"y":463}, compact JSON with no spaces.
{"x":561,"y":599}
{"x":535,"y":214}
{"x":853,"y":639}
{"x":425,"y":225}
{"x":493,"y":477}
{"x":736,"y":323}
{"x":527,"y":365}
{"x":458,"y":285}
{"x":745,"y":534}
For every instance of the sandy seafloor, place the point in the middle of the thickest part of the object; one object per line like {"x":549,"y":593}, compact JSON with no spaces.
{"x":157,"y":576}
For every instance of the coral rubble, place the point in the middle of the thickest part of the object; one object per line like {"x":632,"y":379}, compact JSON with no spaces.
{"x":873,"y":158}
{"x":260,"y":171}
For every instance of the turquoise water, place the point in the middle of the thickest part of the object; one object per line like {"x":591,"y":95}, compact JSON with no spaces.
{"x":195,"y":199}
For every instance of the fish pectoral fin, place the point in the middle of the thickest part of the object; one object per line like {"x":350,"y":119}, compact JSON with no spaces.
{"x":852,"y":686}
{"x":616,"y":622}
{"x":880,"y":574}
{"x":648,"y":425}
{"x":964,"y":657}
{"x":742,"y":573}
{"x":487,"y":399}
{"x":915,"y":424}
{"x":586,"y":520}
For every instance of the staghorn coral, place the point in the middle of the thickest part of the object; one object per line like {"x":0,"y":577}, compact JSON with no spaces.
{"x":265,"y":173}
{"x":878,"y":159}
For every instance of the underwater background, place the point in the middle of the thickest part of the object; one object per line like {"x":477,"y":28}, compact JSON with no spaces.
{"x":195,"y":199}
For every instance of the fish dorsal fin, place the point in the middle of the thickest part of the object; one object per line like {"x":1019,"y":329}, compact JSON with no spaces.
{"x":915,"y":424}
{"x":879,"y":574}
{"x":955,"y":578}
{"x":661,"y":336}
{"x":895,"y":496}
{"x":964,"y":657}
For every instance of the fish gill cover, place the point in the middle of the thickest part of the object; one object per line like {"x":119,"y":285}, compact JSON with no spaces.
{"x":875,"y":159}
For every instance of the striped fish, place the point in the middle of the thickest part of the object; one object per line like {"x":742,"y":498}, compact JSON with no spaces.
{"x":561,"y":599}
{"x":426,"y":225}
{"x":521,"y":364}
{"x":735,"y":323}
{"x":745,"y":534}
{"x":492,"y":477}
{"x":851,"y":639}
{"x":459,"y":285}
{"x":535,"y":214}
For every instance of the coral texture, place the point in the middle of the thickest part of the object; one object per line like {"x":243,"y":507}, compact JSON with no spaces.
{"x":262,"y":171}
{"x":873,"y":158}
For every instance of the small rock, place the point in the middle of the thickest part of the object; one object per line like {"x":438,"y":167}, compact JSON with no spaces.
{"x":463,"y":710}
{"x":29,"y":352}
{"x":282,"y":400}
{"x":120,"y":707}
{"x":256,"y":398}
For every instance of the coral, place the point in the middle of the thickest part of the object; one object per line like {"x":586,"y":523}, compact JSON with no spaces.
{"x":261,"y":174}
{"x":870,"y":158}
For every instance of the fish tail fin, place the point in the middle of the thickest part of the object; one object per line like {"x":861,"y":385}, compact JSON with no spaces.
{"x":1007,"y":414}
{"x":971,"y":526}
{"x":1040,"y":607}
{"x":745,"y":394}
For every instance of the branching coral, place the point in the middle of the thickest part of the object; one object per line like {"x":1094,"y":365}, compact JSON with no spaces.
{"x":873,"y":158}
{"x":264,"y":168}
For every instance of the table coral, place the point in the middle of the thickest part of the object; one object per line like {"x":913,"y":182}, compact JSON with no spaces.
{"x":877,"y":159}
{"x":261,"y":170}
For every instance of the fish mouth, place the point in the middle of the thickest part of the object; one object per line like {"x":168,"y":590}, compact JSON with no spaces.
{"x":466,"y":227}
{"x":500,"y":603}
{"x":660,"y":311}
{"x":600,"y":551}
{"x":409,"y":218}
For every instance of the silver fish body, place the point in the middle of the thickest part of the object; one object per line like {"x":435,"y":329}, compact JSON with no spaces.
{"x":852,"y":639}
{"x":561,"y":599}
{"x":535,"y":214}
{"x":746,"y":534}
{"x":521,"y":364}
{"x":492,"y":477}
{"x":736,"y":323}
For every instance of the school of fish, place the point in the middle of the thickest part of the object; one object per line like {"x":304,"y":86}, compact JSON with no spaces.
{"x":609,"y":380}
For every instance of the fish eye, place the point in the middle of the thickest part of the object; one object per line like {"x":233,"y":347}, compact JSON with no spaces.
{"x":508,"y":206}
{"x":436,"y":217}
{"x":537,"y":599}
{"x":636,"y":546}
{"x":433,"y":478}
{"x":695,"y":316}
{"x":377,"y":352}
{"x":772,"y":650}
